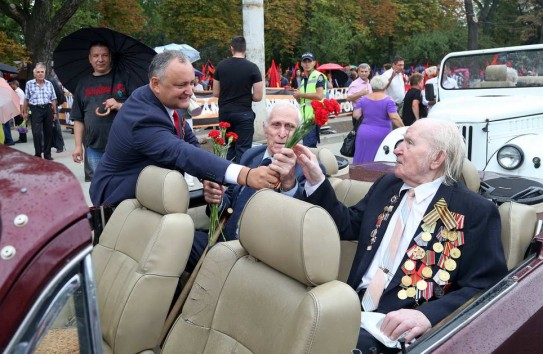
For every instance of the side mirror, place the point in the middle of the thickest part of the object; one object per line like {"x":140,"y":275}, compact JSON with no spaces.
{"x":429,"y":92}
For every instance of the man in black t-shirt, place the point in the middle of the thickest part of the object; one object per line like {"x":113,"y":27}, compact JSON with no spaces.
{"x":97,"y":99}
{"x":237,"y":83}
{"x":413,"y":108}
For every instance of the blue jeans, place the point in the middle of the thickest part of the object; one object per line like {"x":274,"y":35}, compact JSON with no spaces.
{"x":7,"y":133}
{"x":93,"y":156}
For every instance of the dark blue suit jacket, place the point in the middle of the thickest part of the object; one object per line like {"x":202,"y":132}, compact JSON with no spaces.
{"x":252,"y":158}
{"x":143,"y":134}
{"x":481,"y":264}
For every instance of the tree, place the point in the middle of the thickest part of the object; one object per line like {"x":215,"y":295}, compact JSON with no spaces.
{"x":124,"y":16}
{"x":531,"y":18}
{"x":41,"y":23}
{"x":483,"y":13}
{"x":11,"y":51}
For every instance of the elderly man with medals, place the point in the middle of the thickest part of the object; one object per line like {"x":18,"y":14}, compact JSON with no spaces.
{"x":426,"y":244}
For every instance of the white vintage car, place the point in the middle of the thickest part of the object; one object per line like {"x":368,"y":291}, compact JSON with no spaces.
{"x":496,"y":103}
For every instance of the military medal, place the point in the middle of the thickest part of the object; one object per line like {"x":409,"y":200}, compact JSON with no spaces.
{"x":438,"y":291}
{"x":406,"y":281}
{"x":426,"y":236}
{"x":450,"y":264}
{"x":437,"y":247}
{"x":387,"y":210}
{"x":422,"y":285}
{"x":402,"y":294}
{"x":444,"y":275}
{"x":409,"y":265}
{"x":455,"y":253}
{"x":411,"y":291}
{"x":427,"y":272}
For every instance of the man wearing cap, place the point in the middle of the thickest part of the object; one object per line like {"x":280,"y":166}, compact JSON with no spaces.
{"x":238,"y":83}
{"x":312,"y":87}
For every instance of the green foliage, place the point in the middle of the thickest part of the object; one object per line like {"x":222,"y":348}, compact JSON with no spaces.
{"x":431,"y":47}
{"x":11,"y":51}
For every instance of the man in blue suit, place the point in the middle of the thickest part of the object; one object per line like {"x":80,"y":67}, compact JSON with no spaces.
{"x":281,"y":121}
{"x":146,"y":131}
{"x":441,"y":248}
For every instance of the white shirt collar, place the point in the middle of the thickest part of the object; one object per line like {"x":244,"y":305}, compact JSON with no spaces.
{"x":425,"y":190}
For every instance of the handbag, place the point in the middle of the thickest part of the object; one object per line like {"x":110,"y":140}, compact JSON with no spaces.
{"x":347,"y":149}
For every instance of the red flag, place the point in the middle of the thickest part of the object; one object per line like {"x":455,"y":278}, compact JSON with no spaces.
{"x":495,"y":60}
{"x":296,"y":67}
{"x":274,"y":76}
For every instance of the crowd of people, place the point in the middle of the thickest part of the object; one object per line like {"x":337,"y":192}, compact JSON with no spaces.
{"x":396,"y":237}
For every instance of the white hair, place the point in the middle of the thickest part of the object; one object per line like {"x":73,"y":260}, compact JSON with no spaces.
{"x":280,"y":104}
{"x":445,"y":136}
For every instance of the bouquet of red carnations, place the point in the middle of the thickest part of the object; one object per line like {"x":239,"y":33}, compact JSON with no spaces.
{"x":220,"y":141}
{"x":321,"y":111}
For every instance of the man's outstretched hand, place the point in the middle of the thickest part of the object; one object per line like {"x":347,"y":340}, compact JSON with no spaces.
{"x":309,"y":164}
{"x":258,"y":178}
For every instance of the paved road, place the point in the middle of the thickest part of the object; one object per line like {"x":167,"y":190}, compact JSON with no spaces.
{"x":332,"y":141}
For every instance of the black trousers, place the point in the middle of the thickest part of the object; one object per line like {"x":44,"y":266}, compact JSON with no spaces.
{"x":41,"y":120}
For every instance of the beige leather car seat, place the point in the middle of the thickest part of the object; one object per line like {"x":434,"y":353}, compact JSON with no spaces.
{"x":519,"y":223}
{"x":274,"y":290}
{"x":470,"y":176}
{"x":141,"y":254}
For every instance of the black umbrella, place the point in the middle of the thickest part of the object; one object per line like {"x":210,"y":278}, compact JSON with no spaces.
{"x":71,"y":57}
{"x":340,"y":77}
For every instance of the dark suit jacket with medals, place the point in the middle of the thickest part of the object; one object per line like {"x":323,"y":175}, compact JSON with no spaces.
{"x":481,"y":264}
{"x":143,"y":134}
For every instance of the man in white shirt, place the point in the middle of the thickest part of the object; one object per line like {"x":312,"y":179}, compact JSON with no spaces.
{"x":441,"y":248}
{"x":396,"y":85}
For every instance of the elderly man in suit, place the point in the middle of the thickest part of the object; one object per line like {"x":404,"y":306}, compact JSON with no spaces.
{"x":281,"y":121}
{"x":147,"y":131}
{"x":426,"y":244}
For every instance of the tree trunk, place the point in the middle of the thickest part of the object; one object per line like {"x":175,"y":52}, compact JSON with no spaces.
{"x":41,"y":25}
{"x":473,"y":25}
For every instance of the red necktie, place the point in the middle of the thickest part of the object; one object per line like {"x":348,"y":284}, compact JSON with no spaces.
{"x":176,"y":123}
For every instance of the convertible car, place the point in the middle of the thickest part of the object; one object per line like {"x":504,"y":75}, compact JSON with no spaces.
{"x":272,"y":291}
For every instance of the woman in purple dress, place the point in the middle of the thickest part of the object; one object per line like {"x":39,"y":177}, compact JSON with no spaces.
{"x":378,"y":113}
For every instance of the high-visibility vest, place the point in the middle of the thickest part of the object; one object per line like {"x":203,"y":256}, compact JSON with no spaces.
{"x":311,"y":87}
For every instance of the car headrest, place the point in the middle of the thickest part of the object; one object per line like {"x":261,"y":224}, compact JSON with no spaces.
{"x":294,"y":237}
{"x":163,"y":191}
{"x":496,"y":73}
{"x":327,"y":159}
{"x":470,"y":176}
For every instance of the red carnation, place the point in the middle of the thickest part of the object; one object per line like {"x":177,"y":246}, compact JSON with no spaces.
{"x":321,"y":117}
{"x":224,"y":125}
{"x":214,"y":134}
{"x":316,"y":104}
{"x":329,"y":105}
{"x":219,"y":141}
{"x":232,"y":135}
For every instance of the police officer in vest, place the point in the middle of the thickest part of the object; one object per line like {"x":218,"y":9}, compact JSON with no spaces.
{"x":312,"y":87}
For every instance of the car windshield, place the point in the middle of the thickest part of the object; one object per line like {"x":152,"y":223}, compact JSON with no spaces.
{"x":498,"y":69}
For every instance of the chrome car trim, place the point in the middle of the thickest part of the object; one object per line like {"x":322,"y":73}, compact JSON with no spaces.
{"x":92,"y":304}
{"x":15,"y":346}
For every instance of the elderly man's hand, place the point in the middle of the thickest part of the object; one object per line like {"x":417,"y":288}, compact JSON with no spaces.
{"x":284,"y":164}
{"x":261,"y":177}
{"x":309,"y":164}
{"x":412,"y":323}
{"x":213,"y":192}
